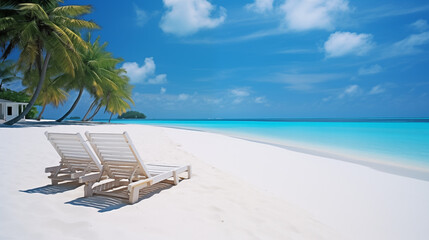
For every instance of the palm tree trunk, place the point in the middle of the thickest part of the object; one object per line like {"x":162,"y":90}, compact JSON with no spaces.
{"x":36,"y":93}
{"x":95,"y":112}
{"x":72,"y":107}
{"x":89,"y":109}
{"x":111,"y":115}
{"x":41,"y":112}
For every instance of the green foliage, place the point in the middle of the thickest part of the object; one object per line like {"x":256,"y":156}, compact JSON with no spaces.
{"x":132,"y":114}
{"x":14,"y":96}
{"x":55,"y":59}
{"x":41,"y":31}
{"x":7,"y":72}
{"x":103,"y":80}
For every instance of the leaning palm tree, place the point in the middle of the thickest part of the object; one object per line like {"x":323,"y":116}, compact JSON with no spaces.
{"x":116,"y":101}
{"x":96,"y":73}
{"x":42,"y":30}
{"x":51,"y":93}
{"x":119,"y":101}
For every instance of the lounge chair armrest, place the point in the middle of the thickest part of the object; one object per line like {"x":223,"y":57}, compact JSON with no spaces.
{"x":51,"y":169}
{"x":92,"y":177}
{"x":140,"y":184}
{"x":77,"y":175}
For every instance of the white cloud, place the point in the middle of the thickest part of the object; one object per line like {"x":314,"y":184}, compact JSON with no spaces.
{"x":326,"y":99}
{"x":409,"y":45}
{"x":211,"y":100}
{"x":376,"y":90}
{"x":374,"y":69}
{"x":260,"y":100}
{"x":420,"y":25}
{"x":144,"y":74}
{"x":185,"y":17}
{"x":350,"y":91}
{"x":158,"y":79}
{"x":392,"y":10}
{"x":301,"y":15}
{"x":141,"y":16}
{"x":237,"y":100}
{"x":183,"y":97}
{"x":347,"y":43}
{"x":260,"y":6}
{"x":240,"y":92}
{"x":163,"y":90}
{"x":304,"y":82}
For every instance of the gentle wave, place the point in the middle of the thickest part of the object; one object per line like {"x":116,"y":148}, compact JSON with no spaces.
{"x":402,"y":141}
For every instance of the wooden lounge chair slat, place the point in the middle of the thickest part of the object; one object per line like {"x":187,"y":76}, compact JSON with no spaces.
{"x":75,"y":154}
{"x":77,"y":157}
{"x":107,"y":146}
{"x":118,"y":154}
{"x":66,"y":142}
{"x":106,"y":141}
{"x":122,"y":161}
{"x":63,"y":137}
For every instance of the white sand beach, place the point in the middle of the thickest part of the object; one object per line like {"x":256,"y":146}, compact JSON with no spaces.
{"x":239,"y":190}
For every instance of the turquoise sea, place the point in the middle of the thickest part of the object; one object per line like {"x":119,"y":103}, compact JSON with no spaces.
{"x":402,"y":142}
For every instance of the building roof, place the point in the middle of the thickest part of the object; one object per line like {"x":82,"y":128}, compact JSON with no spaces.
{"x":7,"y":101}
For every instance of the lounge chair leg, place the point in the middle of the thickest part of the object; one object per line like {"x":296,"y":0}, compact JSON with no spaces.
{"x":134,"y":195}
{"x":175,"y":178}
{"x":88,"y":189}
{"x":55,"y":182}
{"x":189,"y":171}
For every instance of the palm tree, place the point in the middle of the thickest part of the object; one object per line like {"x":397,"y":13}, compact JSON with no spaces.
{"x":96,"y":74}
{"x":42,"y":29}
{"x":51,"y":93}
{"x":116,"y":101}
{"x":7,"y":73}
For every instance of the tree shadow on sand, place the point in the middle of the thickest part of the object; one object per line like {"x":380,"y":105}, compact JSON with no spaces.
{"x":53,"y":189}
{"x":106,"y":204}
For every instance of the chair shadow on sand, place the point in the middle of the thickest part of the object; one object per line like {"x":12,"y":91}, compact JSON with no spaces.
{"x":106,"y":204}
{"x":53,"y":189}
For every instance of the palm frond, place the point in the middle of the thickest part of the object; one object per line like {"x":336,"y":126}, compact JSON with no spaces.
{"x":74,"y":23}
{"x":34,"y":10}
{"x":72,"y":10}
{"x":6,"y":22}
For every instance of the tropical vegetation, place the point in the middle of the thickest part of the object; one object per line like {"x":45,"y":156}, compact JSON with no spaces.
{"x":54,"y":59}
{"x":7,"y":72}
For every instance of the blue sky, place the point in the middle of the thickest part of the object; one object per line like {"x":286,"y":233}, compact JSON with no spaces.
{"x":269,"y":59}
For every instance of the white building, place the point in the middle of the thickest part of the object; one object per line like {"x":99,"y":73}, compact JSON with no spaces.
{"x":9,"y":109}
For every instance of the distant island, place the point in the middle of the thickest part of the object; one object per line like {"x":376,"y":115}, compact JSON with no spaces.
{"x":132,"y":114}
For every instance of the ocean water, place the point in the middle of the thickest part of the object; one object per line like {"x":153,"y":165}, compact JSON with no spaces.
{"x":402,"y":142}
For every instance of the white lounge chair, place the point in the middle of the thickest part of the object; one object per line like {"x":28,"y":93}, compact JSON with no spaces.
{"x":127,"y":173}
{"x":77,"y":158}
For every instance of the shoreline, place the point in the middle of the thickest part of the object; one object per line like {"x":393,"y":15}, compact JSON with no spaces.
{"x":346,"y":155}
{"x":347,"y":197}
{"x":412,"y":171}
